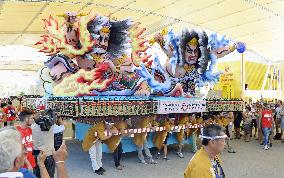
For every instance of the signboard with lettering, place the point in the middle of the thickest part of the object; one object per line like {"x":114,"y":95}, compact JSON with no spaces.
{"x":225,"y":106}
{"x":183,"y":106}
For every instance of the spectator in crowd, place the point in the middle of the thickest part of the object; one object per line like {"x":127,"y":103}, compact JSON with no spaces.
{"x":278,"y":112}
{"x":254,"y":119}
{"x":43,"y":139}
{"x":230,"y":126}
{"x":58,"y":130}
{"x":272,"y":133}
{"x":27,"y":119}
{"x":237,"y":124}
{"x":259,"y":116}
{"x":12,"y":156}
{"x":282,"y":126}
{"x":266,"y":124}
{"x":229,"y":131}
{"x":10,"y":114}
{"x":2,"y":115}
{"x":73,"y":129}
{"x":206,"y":161}
{"x":59,"y":157}
{"x":247,"y":120}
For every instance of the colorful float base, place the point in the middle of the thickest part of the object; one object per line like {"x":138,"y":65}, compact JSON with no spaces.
{"x":89,"y":110}
{"x":127,"y":142}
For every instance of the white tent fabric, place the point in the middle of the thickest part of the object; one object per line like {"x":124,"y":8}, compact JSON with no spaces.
{"x":258,"y":23}
{"x":18,"y":69}
{"x":21,"y":53}
{"x":248,"y":56}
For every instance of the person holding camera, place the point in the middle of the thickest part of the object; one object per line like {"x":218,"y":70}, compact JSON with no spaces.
{"x":43,"y":139}
{"x":13,"y":156}
{"x":58,"y":130}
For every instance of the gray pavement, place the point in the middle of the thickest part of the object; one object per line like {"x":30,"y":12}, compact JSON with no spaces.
{"x":250,"y":161}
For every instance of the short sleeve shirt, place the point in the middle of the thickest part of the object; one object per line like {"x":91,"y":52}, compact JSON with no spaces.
{"x":27,"y":141}
{"x":10,"y":112}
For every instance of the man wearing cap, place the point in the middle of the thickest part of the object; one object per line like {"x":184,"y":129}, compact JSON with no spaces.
{"x":206,"y":161}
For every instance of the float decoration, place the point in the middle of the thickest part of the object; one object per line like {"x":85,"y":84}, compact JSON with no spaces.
{"x":138,"y":46}
{"x":66,"y":108}
{"x":100,"y":66}
{"x":95,"y":55}
{"x":63,"y":39}
{"x":83,"y":82}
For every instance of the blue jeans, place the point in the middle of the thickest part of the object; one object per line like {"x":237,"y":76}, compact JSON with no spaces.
{"x":266,"y":133}
{"x":146,"y":150}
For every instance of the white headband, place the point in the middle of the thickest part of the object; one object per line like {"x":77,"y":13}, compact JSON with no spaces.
{"x":212,"y":138}
{"x":108,"y":123}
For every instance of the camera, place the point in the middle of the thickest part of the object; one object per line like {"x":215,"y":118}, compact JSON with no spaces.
{"x":46,"y":120}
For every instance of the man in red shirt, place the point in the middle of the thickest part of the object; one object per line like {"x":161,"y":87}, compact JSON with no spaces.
{"x":266,"y":124}
{"x":10,"y":113}
{"x":27,"y":118}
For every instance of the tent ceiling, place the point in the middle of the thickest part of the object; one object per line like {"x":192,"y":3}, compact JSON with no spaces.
{"x":258,"y":23}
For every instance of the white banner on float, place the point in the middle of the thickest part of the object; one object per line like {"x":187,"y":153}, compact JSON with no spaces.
{"x":182,"y":106}
{"x":41,"y":103}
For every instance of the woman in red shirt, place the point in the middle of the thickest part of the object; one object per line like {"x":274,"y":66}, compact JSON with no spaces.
{"x":26,"y":118}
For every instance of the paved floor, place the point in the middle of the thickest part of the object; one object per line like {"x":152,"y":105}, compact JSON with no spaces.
{"x":250,"y":161}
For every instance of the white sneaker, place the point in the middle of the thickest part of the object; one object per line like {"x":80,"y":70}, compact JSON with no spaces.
{"x":143,"y":162}
{"x":266,"y":147}
{"x":152,"y":161}
{"x":180,"y":154}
